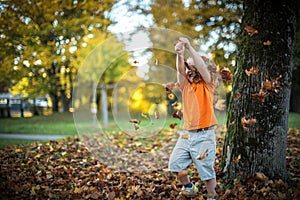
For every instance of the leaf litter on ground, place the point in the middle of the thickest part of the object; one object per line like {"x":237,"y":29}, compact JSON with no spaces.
{"x":68,"y":169}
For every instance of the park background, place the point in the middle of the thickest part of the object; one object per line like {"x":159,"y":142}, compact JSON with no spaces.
{"x":44,"y":45}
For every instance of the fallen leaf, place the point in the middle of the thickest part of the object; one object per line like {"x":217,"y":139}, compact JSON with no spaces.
{"x":261,"y":176}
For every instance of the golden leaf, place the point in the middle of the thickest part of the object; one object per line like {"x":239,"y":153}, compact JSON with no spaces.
{"x":261,"y":176}
{"x":77,"y":190}
{"x":237,"y":159}
{"x":267,"y":43}
{"x":253,"y":70}
{"x":18,"y":150}
{"x":51,"y":149}
{"x":37,"y":155}
{"x":145,"y":115}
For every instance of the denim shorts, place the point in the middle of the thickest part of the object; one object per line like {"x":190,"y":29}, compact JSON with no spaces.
{"x":189,"y":146}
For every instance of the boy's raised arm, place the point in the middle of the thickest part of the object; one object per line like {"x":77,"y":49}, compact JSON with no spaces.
{"x":179,"y":48}
{"x":198,"y":61}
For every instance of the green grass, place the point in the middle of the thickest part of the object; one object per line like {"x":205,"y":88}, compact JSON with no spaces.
{"x":63,"y":124}
{"x":294,"y":120}
{"x":6,"y":142}
{"x":55,"y":124}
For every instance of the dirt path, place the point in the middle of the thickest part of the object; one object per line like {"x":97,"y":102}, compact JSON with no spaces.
{"x":30,"y":136}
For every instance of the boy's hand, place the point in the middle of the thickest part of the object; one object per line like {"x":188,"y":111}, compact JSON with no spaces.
{"x":185,"y":42}
{"x":179,"y":48}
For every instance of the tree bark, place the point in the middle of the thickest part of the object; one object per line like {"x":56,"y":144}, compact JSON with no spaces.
{"x":258,"y":114}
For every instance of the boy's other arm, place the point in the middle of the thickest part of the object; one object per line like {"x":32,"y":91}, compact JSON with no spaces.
{"x":198,"y":61}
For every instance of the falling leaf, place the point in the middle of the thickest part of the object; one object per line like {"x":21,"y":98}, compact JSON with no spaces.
{"x":136,"y":127}
{"x":145,"y":116}
{"x":267,"y":88}
{"x":267,"y":43}
{"x":260,"y":96}
{"x":169,"y":87}
{"x":250,"y":30}
{"x":175,"y":104}
{"x":135,"y":121}
{"x":237,"y":95}
{"x":232,"y":123}
{"x":221,"y":104}
{"x":226,"y":74}
{"x":272,"y":86}
{"x":178,"y":114}
{"x":237,"y":159}
{"x":172,"y":126}
{"x":202,"y":155}
{"x":253,"y":70}
{"x":246,"y":122}
{"x":156,"y":114}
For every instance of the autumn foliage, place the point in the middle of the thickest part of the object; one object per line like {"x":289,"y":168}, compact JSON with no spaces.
{"x":66,"y":169}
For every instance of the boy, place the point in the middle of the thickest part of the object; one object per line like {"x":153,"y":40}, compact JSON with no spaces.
{"x":197,"y":137}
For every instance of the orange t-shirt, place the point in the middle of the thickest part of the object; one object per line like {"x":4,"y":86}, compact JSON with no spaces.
{"x":198,"y":111}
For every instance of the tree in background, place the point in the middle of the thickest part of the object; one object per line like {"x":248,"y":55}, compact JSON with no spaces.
{"x":257,"y":121}
{"x":40,"y":38}
{"x":213,"y":25}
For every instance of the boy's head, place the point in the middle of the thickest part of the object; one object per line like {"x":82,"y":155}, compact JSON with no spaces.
{"x":192,"y":73}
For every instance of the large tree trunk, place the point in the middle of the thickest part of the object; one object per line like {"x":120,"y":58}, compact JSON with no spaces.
{"x":258,"y":111}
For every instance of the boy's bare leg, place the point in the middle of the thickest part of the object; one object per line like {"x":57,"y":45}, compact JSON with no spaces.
{"x":210,"y":187}
{"x":183,"y":177}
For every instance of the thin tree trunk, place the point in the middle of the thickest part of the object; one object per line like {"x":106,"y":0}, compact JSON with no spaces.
{"x":259,"y":105}
{"x":54,"y":100}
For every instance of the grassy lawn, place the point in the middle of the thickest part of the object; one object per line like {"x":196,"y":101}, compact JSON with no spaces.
{"x":55,"y":124}
{"x":63,"y":124}
{"x":294,"y":120}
